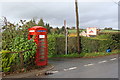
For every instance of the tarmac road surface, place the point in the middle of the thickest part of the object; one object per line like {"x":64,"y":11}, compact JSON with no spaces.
{"x":102,"y":67}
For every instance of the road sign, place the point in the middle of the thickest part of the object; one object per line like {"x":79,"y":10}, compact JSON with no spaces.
{"x":91,"y":31}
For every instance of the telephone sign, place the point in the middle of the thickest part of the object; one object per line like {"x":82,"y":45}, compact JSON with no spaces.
{"x":41,"y":31}
{"x":41,"y":36}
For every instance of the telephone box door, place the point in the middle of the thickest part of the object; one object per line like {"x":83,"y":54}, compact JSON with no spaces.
{"x":42,"y":50}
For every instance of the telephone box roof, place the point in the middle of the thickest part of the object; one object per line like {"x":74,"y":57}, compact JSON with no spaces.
{"x":37,"y":27}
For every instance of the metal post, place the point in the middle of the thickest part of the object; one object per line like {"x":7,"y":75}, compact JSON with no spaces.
{"x":66,"y":39}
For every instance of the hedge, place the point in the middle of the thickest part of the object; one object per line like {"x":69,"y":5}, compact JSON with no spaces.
{"x":88,"y":44}
{"x":56,"y":45}
{"x":11,"y":61}
{"x":52,"y":43}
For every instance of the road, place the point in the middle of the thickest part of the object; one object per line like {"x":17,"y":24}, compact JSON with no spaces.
{"x":102,"y":67}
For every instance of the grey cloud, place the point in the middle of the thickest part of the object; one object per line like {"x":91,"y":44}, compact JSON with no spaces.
{"x":90,"y":13}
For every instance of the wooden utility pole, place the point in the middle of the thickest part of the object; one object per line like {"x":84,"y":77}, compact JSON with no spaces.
{"x":77,"y":25}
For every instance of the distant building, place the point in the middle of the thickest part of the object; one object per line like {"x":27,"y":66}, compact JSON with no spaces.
{"x":83,"y":33}
{"x":90,"y":31}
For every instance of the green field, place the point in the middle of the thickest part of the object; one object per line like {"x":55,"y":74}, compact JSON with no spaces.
{"x":74,"y":31}
{"x":109,"y":31}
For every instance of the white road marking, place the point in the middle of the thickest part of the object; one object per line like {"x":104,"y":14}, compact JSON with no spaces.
{"x":89,"y":65}
{"x":66,"y":69}
{"x":102,"y":61}
{"x":70,"y":68}
{"x":113,"y":59}
{"x":52,"y":71}
{"x":55,"y":71}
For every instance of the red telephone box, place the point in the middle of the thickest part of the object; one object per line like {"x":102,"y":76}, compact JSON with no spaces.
{"x":39,"y":34}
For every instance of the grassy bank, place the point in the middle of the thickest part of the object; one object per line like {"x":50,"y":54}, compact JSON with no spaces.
{"x":96,"y":54}
{"x":74,"y":30}
{"x":110,"y":31}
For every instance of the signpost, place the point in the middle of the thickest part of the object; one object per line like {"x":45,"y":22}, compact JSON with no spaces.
{"x":66,"y":38}
{"x":91,"y":31}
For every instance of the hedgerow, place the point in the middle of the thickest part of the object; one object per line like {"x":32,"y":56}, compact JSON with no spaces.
{"x":11,"y":58}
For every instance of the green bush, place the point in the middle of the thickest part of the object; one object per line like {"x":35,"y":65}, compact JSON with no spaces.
{"x":89,"y":45}
{"x":52,"y":43}
{"x":20,"y":43}
{"x":100,"y":43}
{"x":7,"y":61}
{"x":60,"y":45}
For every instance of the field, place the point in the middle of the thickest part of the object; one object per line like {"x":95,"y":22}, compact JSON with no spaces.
{"x":74,"y":30}
{"x":109,"y":31}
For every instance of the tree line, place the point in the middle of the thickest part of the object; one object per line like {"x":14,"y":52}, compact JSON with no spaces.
{"x":11,"y":30}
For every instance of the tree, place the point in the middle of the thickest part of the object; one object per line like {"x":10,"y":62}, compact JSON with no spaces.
{"x":72,"y":27}
{"x":48,"y":27}
{"x":41,"y":23}
{"x":9,"y":32}
{"x":62,"y":30}
{"x":23,"y":29}
{"x":58,"y":30}
{"x":107,"y":28}
{"x":68,"y":28}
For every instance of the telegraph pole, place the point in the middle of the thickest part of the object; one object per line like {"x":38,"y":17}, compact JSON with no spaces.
{"x":77,"y":25}
{"x":66,"y":38}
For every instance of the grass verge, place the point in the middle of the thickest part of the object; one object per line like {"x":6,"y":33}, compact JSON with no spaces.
{"x":85,"y":55}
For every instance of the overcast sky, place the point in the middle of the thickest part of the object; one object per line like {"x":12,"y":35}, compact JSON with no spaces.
{"x":91,"y":14}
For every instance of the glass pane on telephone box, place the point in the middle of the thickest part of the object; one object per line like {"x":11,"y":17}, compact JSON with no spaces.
{"x":42,"y":57}
{"x":42,"y":46}
{"x":42,"y":60}
{"x":41,"y":51}
{"x":41,"y":43}
{"x":41,"y":39}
